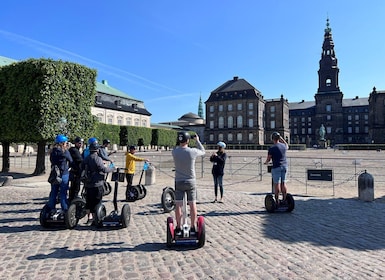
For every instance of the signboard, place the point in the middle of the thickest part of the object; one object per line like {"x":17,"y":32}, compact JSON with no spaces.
{"x":320,"y":174}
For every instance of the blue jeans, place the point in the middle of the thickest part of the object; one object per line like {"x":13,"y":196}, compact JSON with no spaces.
{"x":63,"y":188}
{"x":218,"y":181}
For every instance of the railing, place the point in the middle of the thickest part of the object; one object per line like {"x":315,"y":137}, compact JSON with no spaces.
{"x":247,"y":166}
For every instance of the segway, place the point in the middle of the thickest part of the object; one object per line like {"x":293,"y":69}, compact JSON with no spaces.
{"x":114,"y":219}
{"x":139,"y":191}
{"x":186,"y":237}
{"x":50,"y":218}
{"x":168,"y":199}
{"x":272,"y":206}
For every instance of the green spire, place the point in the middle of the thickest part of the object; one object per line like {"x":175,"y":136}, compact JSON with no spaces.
{"x":200,"y":108}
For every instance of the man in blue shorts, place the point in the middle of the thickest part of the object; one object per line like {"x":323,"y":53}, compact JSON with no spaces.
{"x":277,"y":153}
{"x":185,"y":179}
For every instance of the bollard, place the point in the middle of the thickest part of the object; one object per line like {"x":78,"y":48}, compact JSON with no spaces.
{"x":365,"y":187}
{"x":150,"y":175}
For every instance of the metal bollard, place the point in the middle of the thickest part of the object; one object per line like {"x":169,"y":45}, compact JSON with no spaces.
{"x":366,"y":187}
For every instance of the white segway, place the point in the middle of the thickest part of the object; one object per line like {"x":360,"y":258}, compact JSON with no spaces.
{"x":186,"y":237}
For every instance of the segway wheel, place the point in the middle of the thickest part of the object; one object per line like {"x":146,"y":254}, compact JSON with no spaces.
{"x":168,"y":199}
{"x":133,"y":194}
{"x":270,"y":204}
{"x":126,"y":215}
{"x":201,"y":232}
{"x":143,"y":191}
{"x":43,"y":216}
{"x":290,"y":202}
{"x":80,"y":204}
{"x":170,"y":231}
{"x":100,"y":214}
{"x":70,"y":216}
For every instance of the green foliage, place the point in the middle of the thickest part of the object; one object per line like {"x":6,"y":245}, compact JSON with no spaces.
{"x":134,"y":133}
{"x":37,"y":93}
{"x":107,"y":131}
{"x":164,"y":137}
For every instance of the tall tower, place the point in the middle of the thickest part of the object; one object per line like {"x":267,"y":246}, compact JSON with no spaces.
{"x":328,"y":71}
{"x":200,"y":108}
{"x":328,"y":99}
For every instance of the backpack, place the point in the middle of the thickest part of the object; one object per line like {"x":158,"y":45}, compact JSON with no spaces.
{"x":55,"y":176}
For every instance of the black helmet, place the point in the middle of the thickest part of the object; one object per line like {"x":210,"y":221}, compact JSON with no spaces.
{"x":275,"y":136}
{"x":183,"y":136}
{"x":94,"y":147}
{"x":79,"y":140}
{"x":106,"y":141}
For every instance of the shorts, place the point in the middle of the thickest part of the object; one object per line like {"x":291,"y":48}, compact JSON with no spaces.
{"x":182,"y":187}
{"x":278,"y":174}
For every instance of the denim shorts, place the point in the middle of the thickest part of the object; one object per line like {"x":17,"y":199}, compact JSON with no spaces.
{"x":279,"y":174}
{"x":185,"y":187}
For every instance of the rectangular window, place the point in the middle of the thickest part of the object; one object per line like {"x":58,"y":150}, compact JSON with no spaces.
{"x":239,"y":136}
{"x":328,"y":108}
{"x":239,"y":106}
{"x":251,"y":106}
{"x":211,"y":108}
{"x":229,"y":107}
{"x":272,"y":124}
{"x":211,"y":124}
{"x":220,"y":108}
{"x":272,"y":109}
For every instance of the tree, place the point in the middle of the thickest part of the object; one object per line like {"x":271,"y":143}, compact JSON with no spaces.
{"x":36,"y":95}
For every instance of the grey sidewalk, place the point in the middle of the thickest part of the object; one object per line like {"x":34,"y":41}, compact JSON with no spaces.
{"x":325,"y":237}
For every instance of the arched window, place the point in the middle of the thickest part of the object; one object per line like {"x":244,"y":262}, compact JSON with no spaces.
{"x":328,"y":82}
{"x":230,"y":122}
{"x":239,"y":121}
{"x":220,"y":122}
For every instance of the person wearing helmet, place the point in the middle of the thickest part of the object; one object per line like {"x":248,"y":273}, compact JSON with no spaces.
{"x":86,"y":151}
{"x":96,"y":170}
{"x":218,"y":159}
{"x":131,"y":160}
{"x":277,"y":154}
{"x":103,"y":153}
{"x":185,"y":178}
{"x":61,"y":158}
{"x":75,"y":168}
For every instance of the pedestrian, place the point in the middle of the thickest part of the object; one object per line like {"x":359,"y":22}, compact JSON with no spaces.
{"x":103,"y":153}
{"x":185,"y":178}
{"x":75,"y":171}
{"x":218,"y":159}
{"x":86,"y":151}
{"x":277,"y":154}
{"x":131,"y":160}
{"x":60,"y":157}
{"x":95,"y":173}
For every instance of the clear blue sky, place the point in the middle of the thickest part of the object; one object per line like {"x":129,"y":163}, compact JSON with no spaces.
{"x":169,"y":53}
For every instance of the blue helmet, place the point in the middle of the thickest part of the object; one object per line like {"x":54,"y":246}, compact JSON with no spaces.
{"x":221,"y":144}
{"x":60,"y":138}
{"x":92,"y":140}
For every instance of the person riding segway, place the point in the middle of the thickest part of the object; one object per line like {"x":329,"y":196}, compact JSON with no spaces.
{"x":277,"y":154}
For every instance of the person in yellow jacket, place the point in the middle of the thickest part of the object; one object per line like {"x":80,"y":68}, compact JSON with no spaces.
{"x":131,"y":160}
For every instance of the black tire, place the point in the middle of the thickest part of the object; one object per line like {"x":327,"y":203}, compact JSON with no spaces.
{"x":44,"y":216}
{"x":168,"y":199}
{"x":71,"y":220}
{"x":107,"y":188}
{"x":133,"y":194}
{"x":126,"y":215}
{"x":270,"y":203}
{"x":80,"y":207}
{"x":170,"y":227}
{"x":201,"y":232}
{"x":100,"y":214}
{"x":143,"y":191}
{"x":290,"y":202}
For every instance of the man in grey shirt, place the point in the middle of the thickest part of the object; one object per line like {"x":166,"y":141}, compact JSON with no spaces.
{"x":185,"y":178}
